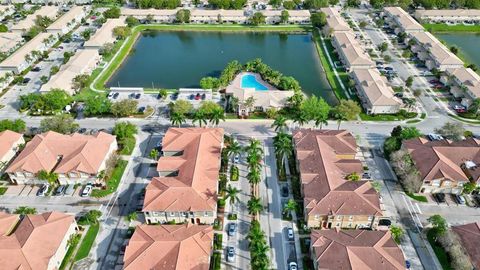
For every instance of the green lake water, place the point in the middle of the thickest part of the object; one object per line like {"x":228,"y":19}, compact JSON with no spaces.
{"x":468,"y":43}
{"x":180,"y":59}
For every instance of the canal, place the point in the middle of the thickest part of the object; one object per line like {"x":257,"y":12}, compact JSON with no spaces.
{"x":175,"y":59}
{"x":468,"y":43}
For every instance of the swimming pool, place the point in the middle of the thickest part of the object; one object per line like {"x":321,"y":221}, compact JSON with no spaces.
{"x":249,"y":81}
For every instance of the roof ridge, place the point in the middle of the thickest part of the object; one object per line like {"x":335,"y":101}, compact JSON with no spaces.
{"x":380,"y":249}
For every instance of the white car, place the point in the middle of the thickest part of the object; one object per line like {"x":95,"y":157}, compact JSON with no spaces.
{"x":292,"y":266}
{"x":290,"y":233}
{"x":236,"y":159}
{"x":230,"y":254}
{"x":87,"y":190}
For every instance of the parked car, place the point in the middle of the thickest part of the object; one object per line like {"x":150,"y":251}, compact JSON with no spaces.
{"x":292,"y":266}
{"x":459,"y":108}
{"x":110,"y":94}
{"x":197,"y":96}
{"x":36,"y":69}
{"x":284,"y":191}
{"x":192,"y":96}
{"x":408,"y":264}
{"x":87,"y":190}
{"x":204,"y":96}
{"x":439,"y":197}
{"x":232,"y":229}
{"x":434,"y":137}
{"x":141,"y":109}
{"x":82,"y":130}
{"x":70,"y":190}
{"x":115,"y":95}
{"x":138,"y":95}
{"x":460,"y":199}
{"x":42,"y":191}
{"x":366,"y":175}
{"x":26,"y":80}
{"x":388,"y":68}
{"x":236,"y":158}
{"x":290,"y":234}
{"x":230,"y":254}
{"x":60,"y":190}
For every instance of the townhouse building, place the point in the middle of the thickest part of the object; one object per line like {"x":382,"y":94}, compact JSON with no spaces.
{"x":325,"y":159}
{"x":335,"y":22}
{"x":157,"y":15}
{"x":9,"y":42}
{"x":24,"y":25}
{"x":69,"y":20}
{"x":464,"y":84}
{"x":448,"y":15}
{"x":469,"y":236}
{"x":10,"y":143}
{"x":401,"y":21}
{"x":186,"y":189}
{"x":74,"y":158}
{"x":445,"y":166}
{"x":104,"y":35}
{"x":350,"y":51}
{"x":376,"y":96}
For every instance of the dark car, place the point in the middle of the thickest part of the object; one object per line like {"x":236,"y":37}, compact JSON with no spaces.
{"x":36,"y":69}
{"x":204,"y":96}
{"x":197,"y":96}
{"x":174,"y":96}
{"x":60,"y":190}
{"x":137,"y":95}
{"x":26,"y":80}
{"x":192,"y":96}
{"x":284,"y":191}
{"x":388,"y":68}
{"x":439,"y":197}
{"x":141,"y":109}
{"x":232,"y":228}
{"x":82,"y":130}
{"x":115,"y":96}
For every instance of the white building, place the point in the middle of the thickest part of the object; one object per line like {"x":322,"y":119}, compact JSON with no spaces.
{"x":294,"y":16}
{"x":448,"y":15}
{"x":9,"y":42}
{"x":27,"y":23}
{"x":401,"y":21}
{"x":104,"y":35}
{"x":69,"y":20}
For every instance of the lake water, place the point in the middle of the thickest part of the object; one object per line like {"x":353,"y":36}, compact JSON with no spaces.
{"x":468,"y":43}
{"x":180,"y":59}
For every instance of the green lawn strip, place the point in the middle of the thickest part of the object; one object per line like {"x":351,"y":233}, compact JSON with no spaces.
{"x":441,"y":27}
{"x":419,"y":198}
{"x":127,"y":145}
{"x":413,"y":121}
{"x":68,"y":256}
{"x":216,"y":261}
{"x":130,"y":41}
{"x":439,"y":251}
{"x":329,"y":70}
{"x":466,"y":120}
{"x":87,"y":242}
{"x":3,"y":190}
{"x":383,"y":117}
{"x":113,"y":182}
{"x":217,"y":243}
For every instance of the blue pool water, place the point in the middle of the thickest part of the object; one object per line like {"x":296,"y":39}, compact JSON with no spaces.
{"x":249,"y":81}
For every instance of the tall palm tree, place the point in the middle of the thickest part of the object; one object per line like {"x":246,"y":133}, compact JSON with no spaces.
{"x":234,"y":103}
{"x":290,"y":207}
{"x":283,"y":147}
{"x":254,"y":206}
{"x":300,"y":119}
{"x":232,"y":194}
{"x":254,"y":177}
{"x":340,"y":117}
{"x":254,"y":161}
{"x":216,"y":116}
{"x":254,"y":147}
{"x":233,"y":148}
{"x":249,"y":103}
{"x":280,"y":123}
{"x":320,"y":121}
{"x":177,"y":119}
{"x":199,"y":117}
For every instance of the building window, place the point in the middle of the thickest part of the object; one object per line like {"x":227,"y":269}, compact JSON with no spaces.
{"x":172,"y":214}
{"x":338,"y":224}
{"x":370,"y":218}
{"x":349,"y":224}
{"x":72,"y":175}
{"x":184,"y":214}
{"x":205,"y":214}
{"x":27,"y":174}
{"x":350,"y":218}
{"x":339,"y":217}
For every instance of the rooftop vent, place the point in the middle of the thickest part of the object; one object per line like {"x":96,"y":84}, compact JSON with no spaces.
{"x":470,"y":164}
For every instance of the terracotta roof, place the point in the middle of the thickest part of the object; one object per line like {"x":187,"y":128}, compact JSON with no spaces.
{"x":356,"y":250}
{"x":7,"y":140}
{"x":444,"y":159}
{"x":469,"y":235}
{"x":195,"y":187}
{"x":323,"y":171}
{"x":7,"y":223}
{"x":35,"y":241}
{"x":165,"y":247}
{"x":77,"y":152}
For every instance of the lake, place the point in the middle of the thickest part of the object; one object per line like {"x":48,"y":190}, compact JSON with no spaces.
{"x":175,"y":59}
{"x":468,"y":43}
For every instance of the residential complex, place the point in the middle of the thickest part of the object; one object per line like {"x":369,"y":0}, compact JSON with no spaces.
{"x":27,"y":23}
{"x":104,"y":35}
{"x":325,"y":160}
{"x":186,"y":189}
{"x":23,"y":57}
{"x":83,"y":62}
{"x":335,"y":22}
{"x":401,"y":21}
{"x":37,"y":242}
{"x":9,"y":41}
{"x":355,"y":249}
{"x":464,"y":84}
{"x":448,"y":15}
{"x":169,"y":247}
{"x":445,"y":166}
{"x":376,"y":95}
{"x":10,"y":143}
{"x":75,"y":158}
{"x":69,"y":20}
{"x":350,"y":51}
{"x":469,"y":235}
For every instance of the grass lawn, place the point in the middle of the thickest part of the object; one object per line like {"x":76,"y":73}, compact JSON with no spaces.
{"x":419,"y":198}
{"x":113,"y":182}
{"x":439,"y":251}
{"x":441,"y":27}
{"x":130,"y":41}
{"x":216,"y":261}
{"x":383,"y":117}
{"x":68,"y":255}
{"x":3,"y":190}
{"x":329,"y":70}
{"x":87,"y":242}
{"x":217,"y":242}
{"x":127,"y":146}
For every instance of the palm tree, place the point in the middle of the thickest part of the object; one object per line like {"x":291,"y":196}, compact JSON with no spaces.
{"x":280,"y":123}
{"x":300,"y":119}
{"x":254,"y":177}
{"x":234,"y":103}
{"x":199,"y":117}
{"x":254,"y":161}
{"x":154,"y":154}
{"x":233,"y":149}
{"x":254,"y":206}
{"x":50,"y":177}
{"x":340,"y":117}
{"x":132,"y":216}
{"x":249,"y":103}
{"x":254,"y":147}
{"x":321,"y":121}
{"x":177,"y":118}
{"x":353,"y":177}
{"x":283,"y":147}
{"x":232,"y":194}
{"x":290,"y":207}
{"x":216,"y":116}
{"x":25,"y":210}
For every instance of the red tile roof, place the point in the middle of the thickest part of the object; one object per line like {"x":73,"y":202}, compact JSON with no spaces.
{"x":323,"y":171}
{"x":7,"y":222}
{"x":356,"y":249}
{"x":195,"y":187}
{"x":469,"y":235}
{"x":168,"y":247}
{"x":35,"y":241}
{"x":444,"y":159}
{"x":78,"y":153}
{"x":7,"y":140}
